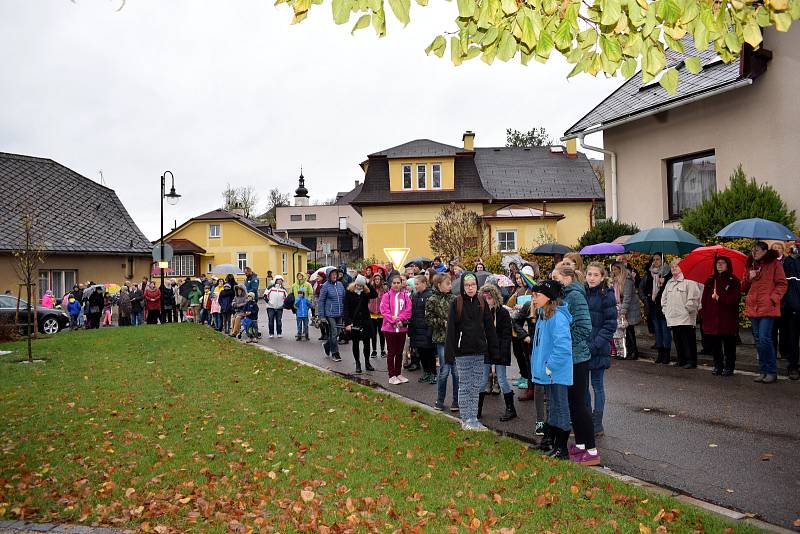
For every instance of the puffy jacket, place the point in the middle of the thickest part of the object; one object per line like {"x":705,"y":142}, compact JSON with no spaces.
{"x":395,"y":303}
{"x":680,"y":302}
{"x":375,"y":304}
{"x":331,"y":299}
{"x":581,"y":326}
{"x":603,"y":309}
{"x":226,"y":300}
{"x":420,"y":334}
{"x":766,"y":290}
{"x":437,"y":307}
{"x":275,"y":296}
{"x":251,"y":310}
{"x":152,"y":300}
{"x":552,"y":348}
{"x":791,"y":300}
{"x":472,"y":333}
{"x":301,"y":307}
{"x":301,"y":284}
{"x":74,"y":307}
{"x":720,"y":317}
{"x":251,"y":284}
{"x":356,"y":307}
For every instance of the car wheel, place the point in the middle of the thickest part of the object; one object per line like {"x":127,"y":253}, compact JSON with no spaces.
{"x":50,"y":325}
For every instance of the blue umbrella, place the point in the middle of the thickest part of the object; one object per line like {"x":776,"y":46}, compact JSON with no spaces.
{"x":662,"y":241}
{"x":757,"y":229}
{"x":602,"y":248}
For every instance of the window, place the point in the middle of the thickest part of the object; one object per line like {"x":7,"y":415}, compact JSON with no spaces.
{"x":241,"y":260}
{"x":209,"y":267}
{"x":406,"y":176}
{"x":422,"y":177}
{"x":182,"y":265}
{"x":214,"y":230}
{"x":311,"y":216}
{"x":59,"y":282}
{"x":129,"y":270}
{"x":507,"y":240}
{"x":436,"y":176}
{"x":295,"y":217}
{"x":690,"y":180}
{"x":342,"y":223}
{"x":283,"y":263}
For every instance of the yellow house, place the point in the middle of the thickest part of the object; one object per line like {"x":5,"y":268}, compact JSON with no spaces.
{"x":222,"y":236}
{"x":525,"y":196}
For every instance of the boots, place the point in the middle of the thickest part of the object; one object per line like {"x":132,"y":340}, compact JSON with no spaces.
{"x":663,"y":355}
{"x":546,"y":445}
{"x":481,"y":396}
{"x":367,"y":365}
{"x":597,"y":423}
{"x":511,"y":412}
{"x":358,"y":365}
{"x":528,"y":394}
{"x":560,"y":450}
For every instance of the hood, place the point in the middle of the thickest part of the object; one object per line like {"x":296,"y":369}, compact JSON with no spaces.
{"x":343,"y":267}
{"x":461,"y":286}
{"x":493,"y":291}
{"x":769,"y":257}
{"x":301,"y":277}
{"x":726,"y":274}
{"x":239,"y":289}
{"x":338,"y":273}
{"x":564,"y":310}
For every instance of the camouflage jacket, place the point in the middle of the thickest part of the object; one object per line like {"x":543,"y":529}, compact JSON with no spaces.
{"x":437,"y":308}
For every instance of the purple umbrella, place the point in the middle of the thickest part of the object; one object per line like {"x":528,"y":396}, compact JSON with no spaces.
{"x":602,"y":248}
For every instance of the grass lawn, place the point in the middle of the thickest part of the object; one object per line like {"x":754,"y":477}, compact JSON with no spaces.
{"x":175,"y":428}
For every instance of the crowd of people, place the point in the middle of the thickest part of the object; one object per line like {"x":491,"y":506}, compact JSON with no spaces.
{"x":461,"y":326}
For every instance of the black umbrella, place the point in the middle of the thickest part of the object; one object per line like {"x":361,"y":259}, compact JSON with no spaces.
{"x":551,"y":249}
{"x":186,"y":288}
{"x":422,"y":261}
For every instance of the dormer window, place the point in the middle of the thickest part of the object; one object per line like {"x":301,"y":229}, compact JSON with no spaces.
{"x":406,"y":176}
{"x":422,"y":176}
{"x":436,"y":176}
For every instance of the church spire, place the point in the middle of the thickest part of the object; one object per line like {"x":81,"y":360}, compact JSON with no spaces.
{"x":301,"y":193}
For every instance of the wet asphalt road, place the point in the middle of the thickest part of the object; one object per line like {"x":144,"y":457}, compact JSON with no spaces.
{"x":725,"y":440}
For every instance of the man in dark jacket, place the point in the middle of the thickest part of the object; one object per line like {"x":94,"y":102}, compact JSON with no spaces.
{"x":470,"y":337}
{"x":789,"y":337}
{"x":330,"y":307}
{"x":137,"y":305}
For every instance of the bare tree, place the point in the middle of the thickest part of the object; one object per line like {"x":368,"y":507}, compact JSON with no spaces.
{"x":27,"y":260}
{"x":276,"y":199}
{"x":324,"y":202}
{"x":244,"y":198}
{"x":457,"y":231}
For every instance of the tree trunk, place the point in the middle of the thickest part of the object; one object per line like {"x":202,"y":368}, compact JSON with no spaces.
{"x":30,"y":323}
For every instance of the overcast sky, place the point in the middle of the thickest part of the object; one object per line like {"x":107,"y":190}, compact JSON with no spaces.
{"x":230,"y":92}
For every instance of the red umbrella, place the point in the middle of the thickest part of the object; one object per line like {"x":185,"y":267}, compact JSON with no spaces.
{"x":698,"y":265}
{"x":156,"y":271}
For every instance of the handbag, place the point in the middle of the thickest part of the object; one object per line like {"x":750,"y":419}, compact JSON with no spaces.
{"x":288,"y":302}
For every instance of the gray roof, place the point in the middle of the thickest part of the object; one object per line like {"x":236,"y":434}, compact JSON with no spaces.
{"x":634,"y":97}
{"x":419,"y":148}
{"x":75,"y":214}
{"x":345,"y":197}
{"x":537,"y":173}
{"x":259,"y":227}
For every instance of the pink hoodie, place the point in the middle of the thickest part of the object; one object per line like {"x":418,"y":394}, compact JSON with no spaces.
{"x":395,"y":303}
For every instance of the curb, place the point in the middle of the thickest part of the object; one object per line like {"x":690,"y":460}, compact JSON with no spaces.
{"x":17,"y":527}
{"x":727,"y":513}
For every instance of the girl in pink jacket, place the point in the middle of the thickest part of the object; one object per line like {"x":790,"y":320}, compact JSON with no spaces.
{"x":396,"y":311}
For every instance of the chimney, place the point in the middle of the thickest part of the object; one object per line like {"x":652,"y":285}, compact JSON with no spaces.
{"x":469,"y":140}
{"x":572,"y":148}
{"x":358,"y":183}
{"x":238,"y":209}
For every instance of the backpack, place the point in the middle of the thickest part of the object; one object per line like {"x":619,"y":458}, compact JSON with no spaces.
{"x":460,"y":305}
{"x":288,"y":303}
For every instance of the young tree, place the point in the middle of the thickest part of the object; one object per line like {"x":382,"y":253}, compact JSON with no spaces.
{"x":240,"y":197}
{"x":276,"y":199}
{"x":534,"y":137}
{"x":28,"y":257}
{"x":596,"y":36}
{"x":457,"y":231}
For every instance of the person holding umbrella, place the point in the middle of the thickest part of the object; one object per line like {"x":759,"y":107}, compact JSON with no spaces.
{"x":652,"y":289}
{"x":765,"y":285}
{"x":680,"y":303}
{"x":720,"y":315}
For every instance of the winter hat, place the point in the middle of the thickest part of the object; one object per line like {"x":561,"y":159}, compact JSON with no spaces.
{"x":278,"y":277}
{"x":227,"y":286}
{"x":551,"y":288}
{"x":360,"y":280}
{"x":251,"y":296}
{"x":528,"y":276}
{"x":301,"y":291}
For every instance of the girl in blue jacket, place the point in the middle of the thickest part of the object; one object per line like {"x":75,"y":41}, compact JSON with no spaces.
{"x":551,"y":361}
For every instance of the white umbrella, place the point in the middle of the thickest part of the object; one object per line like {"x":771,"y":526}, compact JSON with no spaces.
{"x":515,"y":258}
{"x":226,"y":268}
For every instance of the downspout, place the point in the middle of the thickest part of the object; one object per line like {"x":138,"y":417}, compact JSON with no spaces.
{"x":613,"y":172}
{"x":294,"y":265}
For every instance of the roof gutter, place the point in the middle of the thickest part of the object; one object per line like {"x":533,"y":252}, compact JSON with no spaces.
{"x":658,"y":109}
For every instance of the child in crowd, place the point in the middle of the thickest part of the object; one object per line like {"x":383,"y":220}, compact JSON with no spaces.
{"x":216,"y":310}
{"x":250,"y":321}
{"x":106,"y":309}
{"x":205,"y":306}
{"x":396,"y":311}
{"x":74,"y":310}
{"x":377,"y":318}
{"x":420,"y":333}
{"x":501,"y":319}
{"x":301,"y":308}
{"x":437,"y":308}
{"x":551,"y":361}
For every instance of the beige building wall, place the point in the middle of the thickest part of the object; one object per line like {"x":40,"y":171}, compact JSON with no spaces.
{"x":326,"y":217}
{"x":757,"y":126}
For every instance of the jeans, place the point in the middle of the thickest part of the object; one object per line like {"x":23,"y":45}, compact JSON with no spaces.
{"x":136,"y":318}
{"x":445,"y":370}
{"x":394,"y":358}
{"x":557,"y":406}
{"x":275,"y":320}
{"x":762,"y":333}
{"x":226,"y":322}
{"x":663,"y":335}
{"x":500,"y":370}
{"x":216,"y":320}
{"x":470,"y":374}
{"x":302,"y":326}
{"x":576,"y":398}
{"x":598,"y":387}
{"x":334,"y":325}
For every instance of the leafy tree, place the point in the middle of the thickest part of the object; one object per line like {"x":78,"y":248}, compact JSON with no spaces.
{"x":596,"y":36}
{"x":457,"y":231}
{"x":742,"y":199}
{"x":244,"y":198}
{"x":534,"y":137}
{"x":606,"y":231}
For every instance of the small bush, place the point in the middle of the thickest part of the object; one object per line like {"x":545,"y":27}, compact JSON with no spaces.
{"x":742,"y":199}
{"x":605,"y":232}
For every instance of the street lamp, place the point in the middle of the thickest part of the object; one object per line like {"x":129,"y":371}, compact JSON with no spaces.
{"x":172,"y":199}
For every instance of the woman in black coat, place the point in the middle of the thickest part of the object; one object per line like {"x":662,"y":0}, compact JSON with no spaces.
{"x":94,"y":307}
{"x":356,"y":318}
{"x":420,"y":335}
{"x":501,"y":319}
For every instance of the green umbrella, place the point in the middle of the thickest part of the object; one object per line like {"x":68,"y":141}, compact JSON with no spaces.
{"x":662,"y":241}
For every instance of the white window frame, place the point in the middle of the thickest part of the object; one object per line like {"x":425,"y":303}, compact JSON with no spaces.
{"x":424,"y":176}
{"x":182,"y":265}
{"x":283,"y":263}
{"x":499,"y":243}
{"x":211,"y":234}
{"x":436,"y":168}
{"x":239,"y":260}
{"x":409,"y":167}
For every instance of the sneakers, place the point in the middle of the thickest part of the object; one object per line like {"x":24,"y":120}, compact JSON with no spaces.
{"x":271,"y":336}
{"x":454,"y":407}
{"x":297,"y":337}
{"x":383,"y":354}
{"x":279,"y":335}
{"x":794,"y":374}
{"x":401,"y":379}
{"x":425,"y":378}
{"x":368,"y":366}
{"x":438,"y":405}
{"x":760,"y":378}
{"x":473,"y":426}
{"x":358,"y":369}
{"x":374,"y":354}
{"x":586,"y":458}
{"x":539,"y":430}
{"x":335,"y":357}
{"x":393,"y":380}
{"x":769,"y":379}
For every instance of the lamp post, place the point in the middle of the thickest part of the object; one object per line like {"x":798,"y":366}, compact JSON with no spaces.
{"x":172,"y":199}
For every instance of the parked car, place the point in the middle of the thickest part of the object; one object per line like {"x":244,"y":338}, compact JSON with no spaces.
{"x":50,"y":320}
